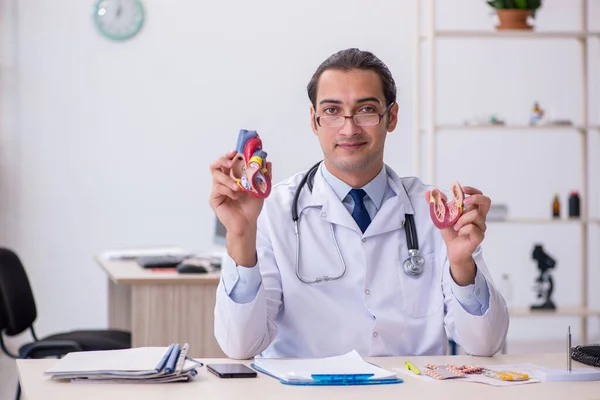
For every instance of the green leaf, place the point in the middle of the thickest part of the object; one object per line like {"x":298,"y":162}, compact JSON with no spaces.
{"x":534,"y":4}
{"x":497,"y":4}
{"x":521,"y":4}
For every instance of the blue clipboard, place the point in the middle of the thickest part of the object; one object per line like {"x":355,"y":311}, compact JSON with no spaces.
{"x":335,"y":380}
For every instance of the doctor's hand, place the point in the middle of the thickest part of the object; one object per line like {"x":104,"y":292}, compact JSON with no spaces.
{"x":465,"y":235}
{"x":238,"y":211}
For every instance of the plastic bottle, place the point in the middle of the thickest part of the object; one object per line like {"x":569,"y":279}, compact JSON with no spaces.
{"x":556,"y":207}
{"x":574,"y":205}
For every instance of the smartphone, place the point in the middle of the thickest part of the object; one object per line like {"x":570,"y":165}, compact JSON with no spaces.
{"x":231,"y":370}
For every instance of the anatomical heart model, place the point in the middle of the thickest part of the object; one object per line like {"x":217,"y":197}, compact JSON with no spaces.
{"x":249,"y":167}
{"x":446,"y":214}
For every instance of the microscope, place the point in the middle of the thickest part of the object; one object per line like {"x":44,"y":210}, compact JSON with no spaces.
{"x":543,"y":284}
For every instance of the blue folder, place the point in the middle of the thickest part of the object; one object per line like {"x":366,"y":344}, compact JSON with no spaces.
{"x":334,"y":380}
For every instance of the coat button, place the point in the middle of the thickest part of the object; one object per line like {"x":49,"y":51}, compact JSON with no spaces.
{"x":323,"y":215}
{"x":363,"y":240}
{"x":367,"y":292}
{"x":375,"y":334}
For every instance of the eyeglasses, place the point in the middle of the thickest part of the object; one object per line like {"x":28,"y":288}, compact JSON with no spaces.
{"x":335,"y":121}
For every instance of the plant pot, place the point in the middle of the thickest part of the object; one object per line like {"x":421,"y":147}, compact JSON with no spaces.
{"x":513,"y":19}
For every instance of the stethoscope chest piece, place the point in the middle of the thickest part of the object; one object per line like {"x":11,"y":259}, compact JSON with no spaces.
{"x":413,"y":265}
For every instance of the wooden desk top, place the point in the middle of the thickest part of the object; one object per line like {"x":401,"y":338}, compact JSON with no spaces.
{"x":207,"y":386}
{"x":129,"y":272}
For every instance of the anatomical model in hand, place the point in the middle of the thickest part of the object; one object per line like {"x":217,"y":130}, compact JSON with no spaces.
{"x":446,"y":214}
{"x":249,"y":167}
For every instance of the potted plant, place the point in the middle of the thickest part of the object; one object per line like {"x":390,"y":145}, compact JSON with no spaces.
{"x":514,"y":14}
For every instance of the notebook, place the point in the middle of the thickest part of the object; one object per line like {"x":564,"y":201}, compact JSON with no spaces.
{"x":347,"y":369}
{"x":147,"y":364}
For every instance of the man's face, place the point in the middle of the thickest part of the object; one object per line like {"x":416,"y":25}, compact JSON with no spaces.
{"x":352,"y":149}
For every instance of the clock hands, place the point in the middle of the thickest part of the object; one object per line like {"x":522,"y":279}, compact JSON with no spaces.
{"x":119,"y":19}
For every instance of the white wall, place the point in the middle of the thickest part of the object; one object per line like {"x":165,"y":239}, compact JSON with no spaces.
{"x":107,"y":144}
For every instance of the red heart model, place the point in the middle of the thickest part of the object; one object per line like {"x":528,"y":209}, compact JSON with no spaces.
{"x":444,"y":215}
{"x":249,"y":168}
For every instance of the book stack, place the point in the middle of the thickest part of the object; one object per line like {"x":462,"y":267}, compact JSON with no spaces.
{"x":142,"y":364}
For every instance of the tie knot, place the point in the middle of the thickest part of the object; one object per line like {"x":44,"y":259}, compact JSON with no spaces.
{"x":357,"y":195}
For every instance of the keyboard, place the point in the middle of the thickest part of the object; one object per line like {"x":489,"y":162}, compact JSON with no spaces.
{"x":164,"y":261}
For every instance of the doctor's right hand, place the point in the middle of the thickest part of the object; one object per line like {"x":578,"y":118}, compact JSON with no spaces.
{"x":238,"y":211}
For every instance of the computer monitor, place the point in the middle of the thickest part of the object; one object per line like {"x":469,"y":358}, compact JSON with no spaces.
{"x":219,"y":237}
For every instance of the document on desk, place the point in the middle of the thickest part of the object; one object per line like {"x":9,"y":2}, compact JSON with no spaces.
{"x":143,"y":364}
{"x":347,"y":369}
{"x":133,"y":254}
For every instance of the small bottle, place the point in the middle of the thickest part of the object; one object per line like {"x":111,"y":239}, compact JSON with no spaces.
{"x":556,"y":207}
{"x":574,"y":205}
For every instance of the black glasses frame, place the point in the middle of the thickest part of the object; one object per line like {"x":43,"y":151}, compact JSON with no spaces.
{"x":388,"y":108}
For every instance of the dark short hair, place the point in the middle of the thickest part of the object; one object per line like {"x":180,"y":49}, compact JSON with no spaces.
{"x":349,"y":59}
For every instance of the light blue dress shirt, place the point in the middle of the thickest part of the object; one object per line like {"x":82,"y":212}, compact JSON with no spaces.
{"x":242,"y":283}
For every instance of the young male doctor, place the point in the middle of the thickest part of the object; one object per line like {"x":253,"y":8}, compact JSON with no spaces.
{"x":352,"y":230}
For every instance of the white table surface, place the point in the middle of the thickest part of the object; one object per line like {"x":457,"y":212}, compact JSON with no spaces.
{"x":207,"y":386}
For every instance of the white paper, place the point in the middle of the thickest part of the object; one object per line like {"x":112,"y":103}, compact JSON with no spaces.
{"x":299,"y":370}
{"x":166,"y":379}
{"x":142,"y":252}
{"x":136,"y":360}
{"x":188,"y":368}
{"x":136,"y":365}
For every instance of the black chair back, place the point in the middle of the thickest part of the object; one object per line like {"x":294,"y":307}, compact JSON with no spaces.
{"x":17,"y":305}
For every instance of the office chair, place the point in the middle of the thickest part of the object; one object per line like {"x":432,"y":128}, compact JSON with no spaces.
{"x":18,"y":313}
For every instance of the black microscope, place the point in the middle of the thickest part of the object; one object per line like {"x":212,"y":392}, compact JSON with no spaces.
{"x":544,"y":284}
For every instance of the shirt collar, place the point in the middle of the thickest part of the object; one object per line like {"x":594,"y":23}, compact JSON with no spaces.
{"x":375,"y":189}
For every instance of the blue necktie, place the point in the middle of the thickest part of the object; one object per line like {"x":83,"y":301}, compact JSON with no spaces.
{"x":360,"y":214}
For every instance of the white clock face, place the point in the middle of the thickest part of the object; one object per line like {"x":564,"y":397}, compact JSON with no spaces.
{"x":118,"y":19}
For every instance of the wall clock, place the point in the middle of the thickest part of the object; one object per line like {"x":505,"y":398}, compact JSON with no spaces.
{"x":118,"y":19}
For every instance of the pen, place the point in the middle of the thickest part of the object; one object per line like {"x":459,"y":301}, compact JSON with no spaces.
{"x":569,"y":349}
{"x":170,"y":368}
{"x":160,"y":367}
{"x":181,"y":360}
{"x":411,"y":367}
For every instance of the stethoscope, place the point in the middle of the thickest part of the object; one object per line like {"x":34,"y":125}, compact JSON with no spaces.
{"x":412,"y":266}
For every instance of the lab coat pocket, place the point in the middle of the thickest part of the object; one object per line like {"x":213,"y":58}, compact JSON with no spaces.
{"x":422,"y":296}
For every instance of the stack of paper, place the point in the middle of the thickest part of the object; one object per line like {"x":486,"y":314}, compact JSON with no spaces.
{"x":143,"y":364}
{"x":133,"y":254}
{"x":348,"y":369}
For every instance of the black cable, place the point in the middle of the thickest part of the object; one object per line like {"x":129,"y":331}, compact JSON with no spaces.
{"x":411,"y":232}
{"x":587,"y":354}
{"x":307,"y":178}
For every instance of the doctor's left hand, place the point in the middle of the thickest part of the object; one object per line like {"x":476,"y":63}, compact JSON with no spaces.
{"x":463,"y":238}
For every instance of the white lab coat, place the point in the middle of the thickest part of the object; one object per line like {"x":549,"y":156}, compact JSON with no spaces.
{"x":375,"y":307}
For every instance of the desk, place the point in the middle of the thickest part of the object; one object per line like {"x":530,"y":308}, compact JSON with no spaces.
{"x":207,"y":386}
{"x":160,"y":308}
